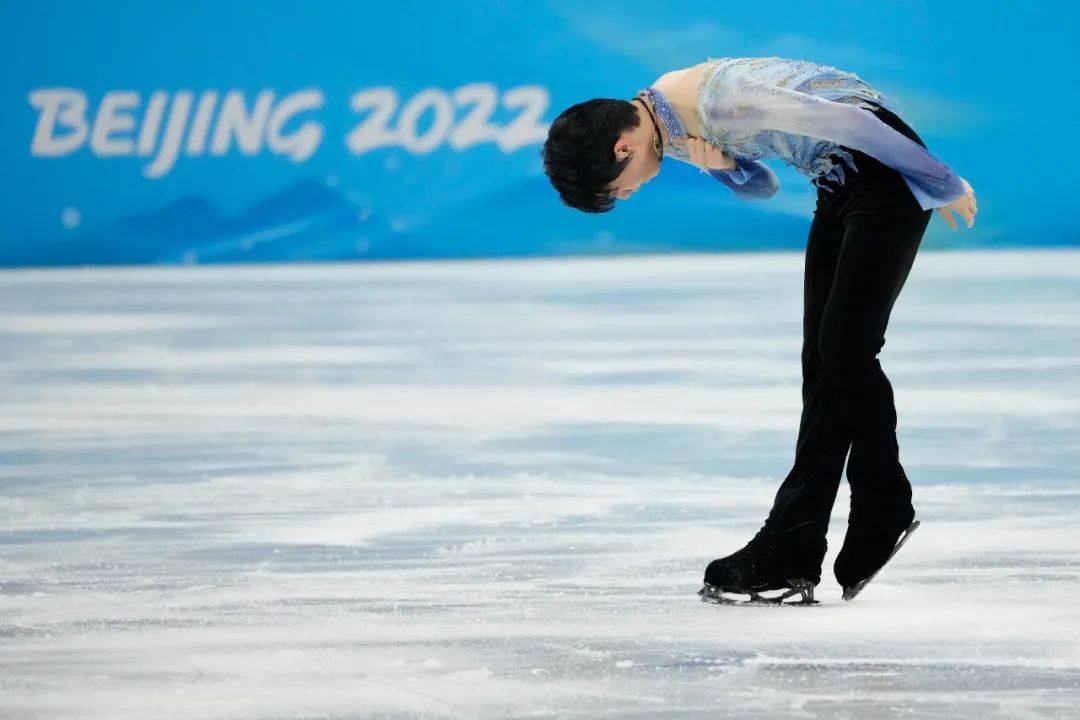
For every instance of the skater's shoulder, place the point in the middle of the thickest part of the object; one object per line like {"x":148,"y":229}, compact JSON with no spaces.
{"x":681,"y":83}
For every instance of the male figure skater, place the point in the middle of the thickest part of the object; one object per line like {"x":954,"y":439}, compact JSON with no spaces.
{"x":724,"y":115}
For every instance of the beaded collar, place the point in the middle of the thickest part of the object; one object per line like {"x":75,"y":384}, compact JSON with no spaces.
{"x":667,"y":113}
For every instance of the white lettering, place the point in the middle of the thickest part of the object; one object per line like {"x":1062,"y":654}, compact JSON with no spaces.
{"x":174,"y":133}
{"x":200,"y":126}
{"x":301,"y":144}
{"x":63,"y":106}
{"x":111,"y":120}
{"x":151,"y":122}
{"x":233,"y":121}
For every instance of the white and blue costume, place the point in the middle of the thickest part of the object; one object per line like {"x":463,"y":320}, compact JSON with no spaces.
{"x":800,"y":112}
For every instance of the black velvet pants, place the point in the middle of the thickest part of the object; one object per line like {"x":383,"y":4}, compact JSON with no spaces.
{"x":861,"y":247}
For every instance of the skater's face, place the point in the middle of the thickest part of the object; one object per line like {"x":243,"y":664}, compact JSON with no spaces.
{"x":637,"y":144}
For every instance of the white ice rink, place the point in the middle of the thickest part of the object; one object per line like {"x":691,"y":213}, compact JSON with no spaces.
{"x":490,"y":490}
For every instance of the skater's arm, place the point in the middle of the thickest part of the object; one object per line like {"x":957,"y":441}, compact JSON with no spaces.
{"x":750,"y":105}
{"x":749,"y":180}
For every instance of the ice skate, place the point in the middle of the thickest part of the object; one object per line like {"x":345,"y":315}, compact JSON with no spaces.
{"x":858,"y":561}
{"x":746,"y":596}
{"x":769,"y":570}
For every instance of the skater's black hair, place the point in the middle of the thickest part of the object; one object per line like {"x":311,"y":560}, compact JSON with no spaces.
{"x":578,"y":155}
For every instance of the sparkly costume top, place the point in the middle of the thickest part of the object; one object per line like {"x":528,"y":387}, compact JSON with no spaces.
{"x":800,"y":112}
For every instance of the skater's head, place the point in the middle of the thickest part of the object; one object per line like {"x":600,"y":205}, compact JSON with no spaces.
{"x":600,"y":150}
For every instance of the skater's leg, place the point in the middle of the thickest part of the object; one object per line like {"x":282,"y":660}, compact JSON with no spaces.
{"x":876,"y":253}
{"x":843,"y":334}
{"x":881,"y":507}
{"x":874,"y":473}
{"x":809,"y":490}
{"x":877,"y":256}
{"x":850,"y":286}
{"x":822,"y":251}
{"x":771,"y":559}
{"x":880,"y":488}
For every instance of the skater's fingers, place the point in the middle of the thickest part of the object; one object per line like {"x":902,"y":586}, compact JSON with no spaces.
{"x":693,"y":147}
{"x":718,"y":158}
{"x":944,"y":211}
{"x":702,"y":156}
{"x":952,"y":219}
{"x":964,"y":209}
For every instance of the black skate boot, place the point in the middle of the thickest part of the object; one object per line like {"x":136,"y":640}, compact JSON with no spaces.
{"x":787,"y":561}
{"x":873,"y":537}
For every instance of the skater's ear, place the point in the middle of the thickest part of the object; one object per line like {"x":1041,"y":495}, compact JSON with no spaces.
{"x":579,"y":153}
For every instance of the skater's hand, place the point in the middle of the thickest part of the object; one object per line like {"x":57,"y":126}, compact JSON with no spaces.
{"x":965,"y":205}
{"x":708,"y":156}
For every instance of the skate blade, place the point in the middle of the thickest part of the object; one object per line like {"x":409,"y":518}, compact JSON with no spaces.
{"x":804,"y":588}
{"x":851,"y":592}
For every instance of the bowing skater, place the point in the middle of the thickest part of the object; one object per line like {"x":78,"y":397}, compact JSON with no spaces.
{"x":877,"y":188}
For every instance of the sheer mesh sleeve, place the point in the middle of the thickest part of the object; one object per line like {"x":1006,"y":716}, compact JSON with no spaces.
{"x":746,"y":105}
{"x":749,"y":180}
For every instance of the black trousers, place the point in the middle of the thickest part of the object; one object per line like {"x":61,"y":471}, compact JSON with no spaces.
{"x":861,"y":247}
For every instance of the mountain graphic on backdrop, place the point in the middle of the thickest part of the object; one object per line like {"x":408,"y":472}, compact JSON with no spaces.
{"x":305,"y":221}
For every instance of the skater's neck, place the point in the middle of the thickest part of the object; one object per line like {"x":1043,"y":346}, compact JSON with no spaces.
{"x":679,"y":89}
{"x":664,"y":115}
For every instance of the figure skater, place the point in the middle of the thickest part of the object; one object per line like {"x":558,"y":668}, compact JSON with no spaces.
{"x":877,"y":187}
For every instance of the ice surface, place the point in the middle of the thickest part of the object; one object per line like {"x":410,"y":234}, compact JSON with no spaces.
{"x":490,"y":489}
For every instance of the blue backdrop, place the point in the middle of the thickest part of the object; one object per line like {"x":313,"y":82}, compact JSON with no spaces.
{"x":191,"y":132}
